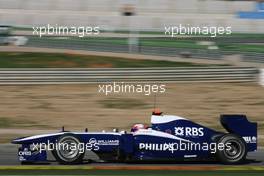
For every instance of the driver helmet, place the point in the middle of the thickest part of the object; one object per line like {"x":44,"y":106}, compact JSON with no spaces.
{"x":137,"y":127}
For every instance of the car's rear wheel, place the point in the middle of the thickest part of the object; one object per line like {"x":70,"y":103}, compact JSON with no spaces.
{"x":69,"y":151}
{"x":234,"y":151}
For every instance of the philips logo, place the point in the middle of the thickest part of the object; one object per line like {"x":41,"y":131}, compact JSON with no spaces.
{"x":182,"y":146}
{"x":189,"y":131}
{"x":159,"y":147}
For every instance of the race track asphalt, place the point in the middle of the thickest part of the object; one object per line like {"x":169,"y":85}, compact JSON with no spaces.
{"x":8,"y":157}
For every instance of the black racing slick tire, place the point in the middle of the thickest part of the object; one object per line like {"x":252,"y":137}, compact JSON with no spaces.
{"x":69,"y":152}
{"x":235,"y":150}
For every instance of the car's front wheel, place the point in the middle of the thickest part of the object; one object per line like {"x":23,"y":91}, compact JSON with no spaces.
{"x":68,"y":150}
{"x":234,"y":151}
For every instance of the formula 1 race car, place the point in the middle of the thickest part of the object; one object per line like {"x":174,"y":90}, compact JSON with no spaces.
{"x":168,"y":138}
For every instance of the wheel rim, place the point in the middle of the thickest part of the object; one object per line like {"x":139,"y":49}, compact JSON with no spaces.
{"x":69,"y":150}
{"x":235,"y":150}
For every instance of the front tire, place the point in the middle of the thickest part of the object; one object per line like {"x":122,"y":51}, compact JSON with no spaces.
{"x":234,"y":151}
{"x":69,"y":151}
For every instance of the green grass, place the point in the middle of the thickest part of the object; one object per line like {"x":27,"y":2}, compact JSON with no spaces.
{"x":156,"y":42}
{"x":123,"y":103}
{"x":19,"y":28}
{"x":49,"y":60}
{"x":130,"y":173}
{"x":172,"y":43}
{"x":152,"y":42}
{"x":168,"y":42}
{"x":243,"y":47}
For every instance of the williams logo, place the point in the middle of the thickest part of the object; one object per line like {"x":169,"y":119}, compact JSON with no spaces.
{"x":250,"y":139}
{"x":108,"y":142}
{"x":189,"y":131}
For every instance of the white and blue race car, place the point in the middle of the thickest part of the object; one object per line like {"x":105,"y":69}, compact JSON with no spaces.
{"x":168,"y":138}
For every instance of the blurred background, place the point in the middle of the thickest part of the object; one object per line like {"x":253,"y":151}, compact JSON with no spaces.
{"x":131,"y":35}
{"x":138,"y":26}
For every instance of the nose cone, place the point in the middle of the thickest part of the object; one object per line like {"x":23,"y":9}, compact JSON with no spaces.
{"x":17,"y":140}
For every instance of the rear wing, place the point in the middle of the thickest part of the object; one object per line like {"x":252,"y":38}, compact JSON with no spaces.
{"x":239,"y":125}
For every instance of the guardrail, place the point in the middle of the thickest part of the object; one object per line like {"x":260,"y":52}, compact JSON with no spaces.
{"x":84,"y":76}
{"x":261,"y":77}
{"x":253,"y":57}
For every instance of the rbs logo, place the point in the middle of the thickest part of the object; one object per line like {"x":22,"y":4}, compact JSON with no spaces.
{"x":188,"y":131}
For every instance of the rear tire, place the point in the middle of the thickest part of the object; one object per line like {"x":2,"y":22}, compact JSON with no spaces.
{"x":66,"y":155}
{"x":234,"y":151}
